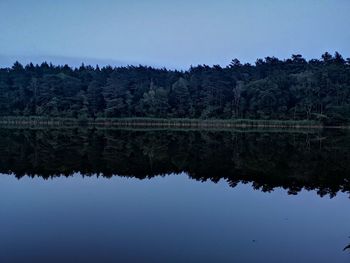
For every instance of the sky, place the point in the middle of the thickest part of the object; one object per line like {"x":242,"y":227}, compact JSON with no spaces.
{"x":174,"y":34}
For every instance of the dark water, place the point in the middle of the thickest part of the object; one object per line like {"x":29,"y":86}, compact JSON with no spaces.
{"x":84,"y":195}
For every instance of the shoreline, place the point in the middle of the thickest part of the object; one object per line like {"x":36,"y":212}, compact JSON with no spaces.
{"x":166,"y":123}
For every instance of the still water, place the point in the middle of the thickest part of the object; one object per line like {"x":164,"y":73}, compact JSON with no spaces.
{"x":87,"y":195}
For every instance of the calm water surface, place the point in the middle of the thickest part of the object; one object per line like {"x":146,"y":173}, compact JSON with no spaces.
{"x":84,"y":195}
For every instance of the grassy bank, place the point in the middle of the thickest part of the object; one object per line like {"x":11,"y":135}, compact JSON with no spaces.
{"x":159,"y":123}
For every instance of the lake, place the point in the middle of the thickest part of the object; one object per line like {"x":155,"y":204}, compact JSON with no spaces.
{"x":104,"y":195}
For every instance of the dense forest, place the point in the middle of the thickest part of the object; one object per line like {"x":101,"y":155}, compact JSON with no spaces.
{"x":294,"y":161}
{"x":271,"y":89}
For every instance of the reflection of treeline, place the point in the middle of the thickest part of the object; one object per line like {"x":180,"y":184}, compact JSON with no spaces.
{"x":290,"y":89}
{"x":292,"y":161}
{"x":169,"y":123}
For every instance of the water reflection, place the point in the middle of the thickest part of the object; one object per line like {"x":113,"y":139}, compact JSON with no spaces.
{"x":78,"y":217}
{"x":347,"y":247}
{"x":311,"y":160}
{"x":171,"y":219}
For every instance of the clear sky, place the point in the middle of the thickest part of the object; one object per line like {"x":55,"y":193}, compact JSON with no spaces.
{"x":173,"y":33}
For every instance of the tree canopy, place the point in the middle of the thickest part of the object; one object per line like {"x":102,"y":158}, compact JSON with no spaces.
{"x":290,"y":89}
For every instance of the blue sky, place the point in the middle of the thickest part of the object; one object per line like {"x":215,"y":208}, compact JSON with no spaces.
{"x":172,"y":33}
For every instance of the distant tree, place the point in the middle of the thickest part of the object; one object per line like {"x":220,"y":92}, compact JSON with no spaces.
{"x":327,"y":57}
{"x":338,"y":58}
{"x":235,"y":63}
{"x":95,"y":99}
{"x":180,"y":98}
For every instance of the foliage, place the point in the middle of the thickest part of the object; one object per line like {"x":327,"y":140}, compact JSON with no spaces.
{"x":291,"y":89}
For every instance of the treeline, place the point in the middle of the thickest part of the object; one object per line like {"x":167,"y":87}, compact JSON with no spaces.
{"x":294,"y":161}
{"x":272,"y":89}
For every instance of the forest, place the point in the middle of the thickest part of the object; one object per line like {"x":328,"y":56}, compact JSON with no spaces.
{"x":270,"y":89}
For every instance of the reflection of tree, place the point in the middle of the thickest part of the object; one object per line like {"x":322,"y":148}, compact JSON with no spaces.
{"x":268,"y":160}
